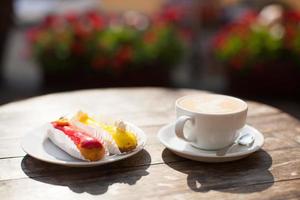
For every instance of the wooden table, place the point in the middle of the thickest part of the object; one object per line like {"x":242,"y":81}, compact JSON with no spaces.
{"x":155,"y":173}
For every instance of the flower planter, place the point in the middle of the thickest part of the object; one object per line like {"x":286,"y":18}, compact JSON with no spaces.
{"x":94,"y":49}
{"x":274,"y":78}
{"x":262,"y":52}
{"x":81,"y":79}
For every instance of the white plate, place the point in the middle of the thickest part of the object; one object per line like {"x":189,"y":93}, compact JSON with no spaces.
{"x":37,"y":145}
{"x":167,"y":137}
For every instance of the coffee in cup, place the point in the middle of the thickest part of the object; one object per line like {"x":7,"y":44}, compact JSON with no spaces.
{"x":209,"y":121}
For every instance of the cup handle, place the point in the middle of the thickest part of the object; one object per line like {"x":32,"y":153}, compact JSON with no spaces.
{"x":179,"y":124}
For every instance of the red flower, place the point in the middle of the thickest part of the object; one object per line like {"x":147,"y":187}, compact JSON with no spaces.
{"x":219,"y":40}
{"x":172,"y":13}
{"x":123,"y":57}
{"x":248,"y":17}
{"x":51,"y":21}
{"x":81,"y":30}
{"x":95,"y":19}
{"x":240,"y":28}
{"x":292,"y":16}
{"x":71,"y":18}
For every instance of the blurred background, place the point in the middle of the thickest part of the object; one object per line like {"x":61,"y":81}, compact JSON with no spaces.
{"x":245,"y":48}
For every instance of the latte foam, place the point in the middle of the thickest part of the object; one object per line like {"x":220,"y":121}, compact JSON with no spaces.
{"x":212,"y":104}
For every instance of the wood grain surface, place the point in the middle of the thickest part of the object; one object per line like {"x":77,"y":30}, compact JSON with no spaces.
{"x":155,"y":173}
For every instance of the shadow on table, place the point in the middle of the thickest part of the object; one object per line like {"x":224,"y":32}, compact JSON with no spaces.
{"x":93,"y":180}
{"x":234,"y":177}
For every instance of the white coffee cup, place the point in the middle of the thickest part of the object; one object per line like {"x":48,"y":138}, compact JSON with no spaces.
{"x":209,"y":121}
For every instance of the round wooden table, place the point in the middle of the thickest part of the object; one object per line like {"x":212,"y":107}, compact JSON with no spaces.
{"x":155,"y":173}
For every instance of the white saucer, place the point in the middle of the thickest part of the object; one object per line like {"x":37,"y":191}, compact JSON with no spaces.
{"x":37,"y":145}
{"x":167,"y":137}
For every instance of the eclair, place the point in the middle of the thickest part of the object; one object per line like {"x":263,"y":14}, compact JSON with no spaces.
{"x":75,"y":142}
{"x":121,"y":138}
